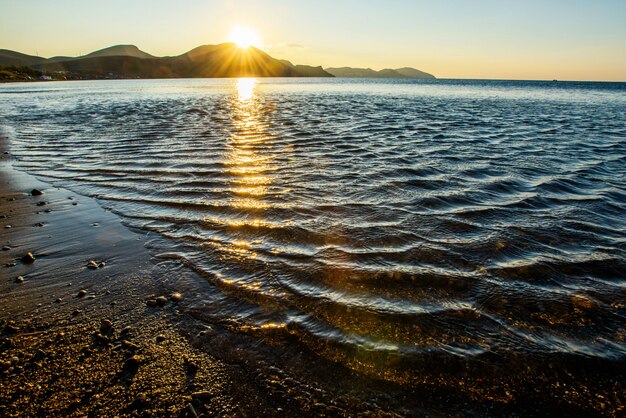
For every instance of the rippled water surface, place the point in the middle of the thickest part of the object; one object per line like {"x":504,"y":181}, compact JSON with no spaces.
{"x":382,"y":224}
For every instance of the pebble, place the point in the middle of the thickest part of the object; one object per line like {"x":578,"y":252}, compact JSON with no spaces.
{"x":41,"y":203}
{"x":76,"y":312}
{"x":161,"y":300}
{"x":11,"y":264}
{"x":202,"y":395}
{"x":101,"y":264}
{"x":81,"y":293}
{"x":36,"y":192}
{"x":191,"y":367}
{"x":6,"y":248}
{"x":11,"y":329}
{"x":130,"y":345}
{"x":176,"y":297}
{"x":58,"y":300}
{"x":28,"y":258}
{"x":126,"y":332}
{"x":91,"y":297}
{"x":92,"y":265}
{"x":7,"y":226}
{"x":160,"y":338}
{"x":15,"y":360}
{"x":19,"y":279}
{"x":151,"y":303}
{"x":106,"y":326}
{"x":131,"y":365}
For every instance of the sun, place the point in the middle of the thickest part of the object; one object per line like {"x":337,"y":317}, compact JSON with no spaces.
{"x":243,"y":37}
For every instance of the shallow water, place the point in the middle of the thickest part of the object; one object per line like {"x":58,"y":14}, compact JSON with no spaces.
{"x":383,"y":224}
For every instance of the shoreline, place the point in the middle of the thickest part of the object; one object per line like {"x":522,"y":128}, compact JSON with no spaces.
{"x":76,"y":341}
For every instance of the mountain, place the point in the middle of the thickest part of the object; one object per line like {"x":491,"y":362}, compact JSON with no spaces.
{"x":128,"y":61}
{"x":119,"y":51}
{"x":12,"y":58}
{"x":405,"y":72}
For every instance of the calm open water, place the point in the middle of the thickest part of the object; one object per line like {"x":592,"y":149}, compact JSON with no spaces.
{"x":391,"y":226}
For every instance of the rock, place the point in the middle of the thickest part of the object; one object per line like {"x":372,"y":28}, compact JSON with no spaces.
{"x":160,"y":338}
{"x":151,"y":303}
{"x":202,"y":395}
{"x":58,"y":300}
{"x":101,"y":264}
{"x":28,"y":258}
{"x":106,"y":326}
{"x":131,"y":366}
{"x":41,"y":203}
{"x":161,"y":300}
{"x":81,"y":293}
{"x":91,"y":297}
{"x":36,"y":192}
{"x":126,"y":332}
{"x":15,"y":360}
{"x":7,"y":227}
{"x":190,"y":411}
{"x":6,"y":248}
{"x":190,"y":367}
{"x":130,"y":345}
{"x":176,"y":297}
{"x":92,"y":265}
{"x":19,"y":279}
{"x":10,"y":264}
{"x":74,"y":204}
{"x":103,"y":339}
{"x":76,"y":312}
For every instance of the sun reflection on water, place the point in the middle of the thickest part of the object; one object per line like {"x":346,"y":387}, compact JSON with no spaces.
{"x":245,"y":88}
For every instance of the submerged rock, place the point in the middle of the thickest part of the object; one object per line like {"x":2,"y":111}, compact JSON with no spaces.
{"x":36,"y":192}
{"x":28,"y":258}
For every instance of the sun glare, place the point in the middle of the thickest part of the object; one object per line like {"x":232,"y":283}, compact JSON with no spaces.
{"x":243,"y":37}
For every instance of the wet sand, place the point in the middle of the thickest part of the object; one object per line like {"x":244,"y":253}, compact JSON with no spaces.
{"x":83,"y":342}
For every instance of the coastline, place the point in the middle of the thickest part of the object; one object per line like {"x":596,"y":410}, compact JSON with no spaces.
{"x":76,"y":341}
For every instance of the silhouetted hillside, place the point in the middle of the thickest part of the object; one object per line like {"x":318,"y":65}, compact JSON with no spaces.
{"x":12,"y":58}
{"x":405,"y":72}
{"x":128,"y":61}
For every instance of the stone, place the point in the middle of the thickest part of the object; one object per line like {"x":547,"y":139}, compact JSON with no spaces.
{"x":81,"y":293}
{"x":92,"y":265}
{"x":151,"y":303}
{"x":19,"y":279}
{"x":176,"y":297}
{"x":101,"y":264}
{"x":190,"y":367}
{"x":160,"y":338}
{"x":36,"y":192}
{"x":6,"y":248}
{"x":131,"y":366}
{"x":161,"y":300}
{"x":106,"y":326}
{"x":202,"y":395}
{"x":28,"y":258}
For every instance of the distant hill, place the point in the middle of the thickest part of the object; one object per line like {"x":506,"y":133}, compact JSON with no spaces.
{"x":119,"y":51}
{"x":405,"y":72}
{"x":128,"y":61}
{"x":12,"y":58}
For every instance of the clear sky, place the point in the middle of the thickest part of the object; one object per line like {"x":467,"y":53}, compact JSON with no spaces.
{"x":507,"y":39}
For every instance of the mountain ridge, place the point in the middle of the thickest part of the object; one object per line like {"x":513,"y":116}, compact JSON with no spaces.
{"x":221,"y":60}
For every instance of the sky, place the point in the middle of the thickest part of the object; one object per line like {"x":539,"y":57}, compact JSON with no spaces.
{"x":505,"y":39}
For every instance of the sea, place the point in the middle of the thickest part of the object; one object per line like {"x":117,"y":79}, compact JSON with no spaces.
{"x":469,"y":234}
